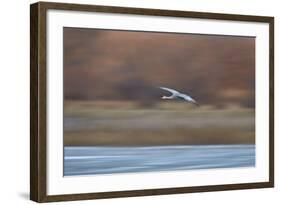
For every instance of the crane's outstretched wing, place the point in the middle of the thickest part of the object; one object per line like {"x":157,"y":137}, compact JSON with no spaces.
{"x":174,"y":92}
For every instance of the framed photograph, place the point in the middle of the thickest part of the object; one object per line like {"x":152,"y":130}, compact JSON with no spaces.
{"x":135,"y":102}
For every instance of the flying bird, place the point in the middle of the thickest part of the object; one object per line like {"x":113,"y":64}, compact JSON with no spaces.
{"x":178,"y":95}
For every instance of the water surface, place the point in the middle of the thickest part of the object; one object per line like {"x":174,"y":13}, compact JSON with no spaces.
{"x":107,"y":160}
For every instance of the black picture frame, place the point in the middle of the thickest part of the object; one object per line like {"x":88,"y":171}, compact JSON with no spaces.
{"x":38,"y":101}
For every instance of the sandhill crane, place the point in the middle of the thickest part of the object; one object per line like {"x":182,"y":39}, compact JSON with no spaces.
{"x":178,"y":95}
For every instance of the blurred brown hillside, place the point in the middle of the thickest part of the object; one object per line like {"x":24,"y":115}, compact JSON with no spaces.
{"x":123,"y":65}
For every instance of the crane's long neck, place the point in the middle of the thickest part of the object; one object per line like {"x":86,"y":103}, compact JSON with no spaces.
{"x":167,"y":97}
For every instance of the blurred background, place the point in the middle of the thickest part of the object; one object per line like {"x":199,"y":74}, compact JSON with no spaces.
{"x":111,"y":94}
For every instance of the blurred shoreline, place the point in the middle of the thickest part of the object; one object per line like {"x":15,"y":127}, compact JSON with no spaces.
{"x":126,"y":123}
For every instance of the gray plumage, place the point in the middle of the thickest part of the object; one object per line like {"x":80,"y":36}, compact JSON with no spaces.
{"x":177,"y":95}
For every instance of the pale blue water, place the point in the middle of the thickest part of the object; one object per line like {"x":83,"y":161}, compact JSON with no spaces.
{"x":107,"y":160}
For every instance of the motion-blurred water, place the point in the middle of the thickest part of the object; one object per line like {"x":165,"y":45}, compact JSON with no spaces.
{"x":107,"y":160}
